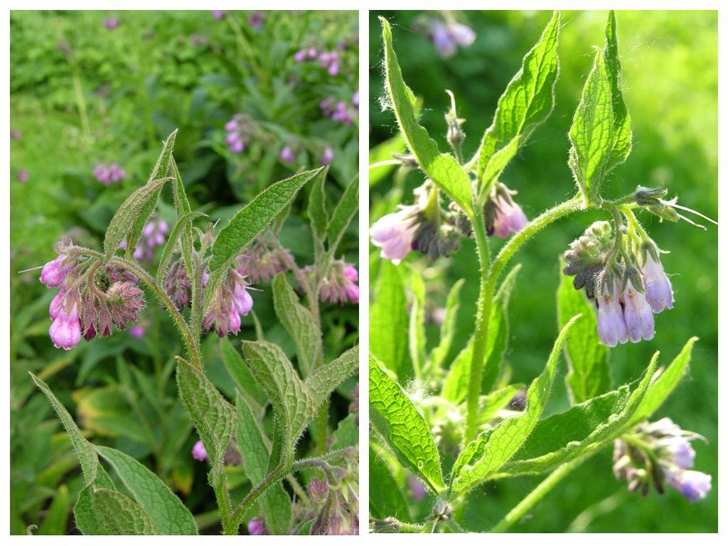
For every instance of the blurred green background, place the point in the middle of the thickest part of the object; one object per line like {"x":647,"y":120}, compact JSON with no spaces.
{"x":670,"y":81}
{"x":91,"y":87}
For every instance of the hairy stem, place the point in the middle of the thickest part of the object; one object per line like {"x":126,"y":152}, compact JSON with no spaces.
{"x":536,"y":495}
{"x":489,"y":280}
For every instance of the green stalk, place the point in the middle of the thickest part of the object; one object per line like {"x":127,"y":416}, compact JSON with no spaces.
{"x":536,"y":495}
{"x":489,"y":280}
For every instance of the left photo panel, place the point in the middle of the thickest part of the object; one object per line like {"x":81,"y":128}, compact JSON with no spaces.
{"x":184,"y":272}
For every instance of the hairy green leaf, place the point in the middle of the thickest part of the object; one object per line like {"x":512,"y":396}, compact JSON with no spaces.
{"x":247,"y":224}
{"x":162,"y":506}
{"x":622,"y":121}
{"x":417,"y":338}
{"x":447,"y":332}
{"x":442,"y":169}
{"x":455,"y":387}
{"x":254,"y":446}
{"x":527,"y":102}
{"x":329,"y":376}
{"x":603,"y":435}
{"x":241,"y":375}
{"x":492,"y":449}
{"x":399,"y":423}
{"x":317,"y":215}
{"x":388,"y":321}
{"x":298,"y":322}
{"x":345,"y":210}
{"x":490,"y":404}
{"x":169,"y":247}
{"x":122,"y":516}
{"x":588,"y":359}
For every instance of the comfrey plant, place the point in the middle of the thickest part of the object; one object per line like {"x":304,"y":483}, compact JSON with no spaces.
{"x":447,"y":430}
{"x":203,"y":281}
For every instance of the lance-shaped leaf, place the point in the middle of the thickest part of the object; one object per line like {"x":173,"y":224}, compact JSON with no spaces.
{"x":299,"y":323}
{"x":162,"y":506}
{"x":665,"y":383}
{"x":247,"y":224}
{"x":254,"y":446}
{"x":622,"y":121}
{"x":447,"y":331}
{"x":490,"y":404}
{"x":492,"y":449}
{"x":161,"y":169}
{"x":417,"y":338}
{"x":122,"y":516}
{"x":588,"y":359}
{"x":527,"y":101}
{"x":345,"y":210}
{"x":603,"y":435}
{"x":241,"y":375}
{"x":401,"y":426}
{"x":177,"y":231}
{"x":317,"y":214}
{"x":592,"y":131}
{"x":127,"y":214}
{"x":295,"y":402}
{"x":388,"y":320}
{"x":182,"y":207}
{"x":442,"y":169}
{"x":212,"y":415}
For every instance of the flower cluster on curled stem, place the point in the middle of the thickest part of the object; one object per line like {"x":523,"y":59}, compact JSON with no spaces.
{"x":659,"y":453}
{"x":626,"y":279}
{"x":109,"y":173}
{"x":445,"y":33}
{"x":153,"y":235}
{"x":339,"y":285}
{"x":240,"y":130}
{"x":230,"y":303}
{"x":90,"y":301}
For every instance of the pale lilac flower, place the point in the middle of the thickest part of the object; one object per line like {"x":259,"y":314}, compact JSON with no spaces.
{"x":330,"y":61}
{"x":393,"y":233}
{"x":658,"y":289}
{"x":230,"y":301}
{"x":54,"y":273}
{"x":15,"y":134}
{"x":56,"y":306}
{"x":341,"y":113}
{"x":417,"y":488}
{"x":231,"y":125}
{"x":637,"y":314}
{"x":237,"y":129}
{"x":327,"y":106}
{"x":312,"y":53}
{"x":611,"y":326}
{"x":351,"y":273}
{"x":65,"y":331}
{"x":287,"y":155}
{"x":355,"y":99}
{"x":137,"y":331}
{"x":257,"y":18}
{"x":256,"y":526}
{"x":509,"y":217}
{"x":199,"y":452}
{"x":110,"y":23}
{"x":691,"y":484}
{"x":108,"y":174}
{"x":23,"y":176}
{"x":327,"y":157}
{"x":243,"y":300}
{"x":446,"y":37}
{"x":218,"y":14}
{"x":155,"y":232}
{"x":300,"y":55}
{"x":681,"y":452}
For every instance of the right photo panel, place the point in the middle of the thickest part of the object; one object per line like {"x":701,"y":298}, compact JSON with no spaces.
{"x":544,"y":271}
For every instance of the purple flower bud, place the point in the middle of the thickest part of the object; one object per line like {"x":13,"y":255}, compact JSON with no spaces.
{"x":509,"y":217}
{"x":218,"y":13}
{"x":637,"y":314}
{"x":611,"y":327}
{"x":355,"y":99}
{"x":234,"y":324}
{"x":352,"y":292}
{"x":300,"y":56}
{"x":351,"y":273}
{"x":231,"y":126}
{"x":256,"y":19}
{"x":65,"y":331}
{"x":53,"y":273}
{"x":312,"y":53}
{"x":393,"y":233}
{"x":237,"y":146}
{"x":243,"y":300}
{"x":327,"y":157}
{"x":657,"y":286}
{"x":681,"y":452}
{"x":287,"y":155}
{"x":417,"y":488}
{"x":693,"y":485}
{"x":111,"y":23}
{"x":56,"y":305}
{"x":232,"y":138}
{"x":137,"y":331}
{"x":256,"y":526}
{"x":199,"y":453}
{"x":463,"y":35}
{"x":23,"y":176}
{"x":442,"y":39}
{"x":333,"y":69}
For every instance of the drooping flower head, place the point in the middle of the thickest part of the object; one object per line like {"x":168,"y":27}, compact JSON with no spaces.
{"x":239,"y":131}
{"x":611,"y":325}
{"x":503,"y":216}
{"x":393,"y":233}
{"x":446,"y":34}
{"x":339,"y":284}
{"x":658,"y":289}
{"x":54,"y":272}
{"x":261,"y":262}
{"x":230,"y":301}
{"x":65,"y":331}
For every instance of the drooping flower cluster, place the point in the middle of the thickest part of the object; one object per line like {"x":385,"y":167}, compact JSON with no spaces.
{"x":92,"y":299}
{"x":339,"y":110}
{"x":329,"y":60}
{"x":230,"y":303}
{"x":152,"y":236}
{"x":339,"y":284}
{"x":110,"y":23}
{"x":625,"y":277}
{"x":423,"y":226}
{"x":261,"y":262}
{"x":658,"y":453}
{"x":240,"y":129}
{"x":445,"y":34}
{"x":218,"y":14}
{"x":503,"y":216}
{"x":257,"y":18}
{"x":108,"y":174}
